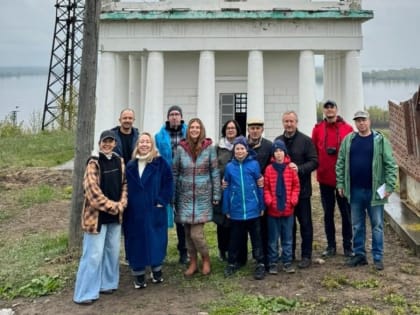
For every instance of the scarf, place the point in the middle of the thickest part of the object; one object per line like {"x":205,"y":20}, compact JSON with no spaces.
{"x":280,"y":188}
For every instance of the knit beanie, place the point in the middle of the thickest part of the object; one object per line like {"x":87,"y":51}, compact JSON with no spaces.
{"x":241,"y":140}
{"x":174,"y":108}
{"x":278,"y":144}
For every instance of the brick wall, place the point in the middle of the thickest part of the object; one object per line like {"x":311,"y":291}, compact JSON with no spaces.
{"x":403,"y":137}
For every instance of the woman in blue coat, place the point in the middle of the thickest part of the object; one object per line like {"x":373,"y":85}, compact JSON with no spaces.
{"x":150,"y":189}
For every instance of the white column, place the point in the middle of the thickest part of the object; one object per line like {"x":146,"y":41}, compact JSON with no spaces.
{"x":206,"y":104}
{"x":353,"y":85}
{"x":153,"y":107}
{"x":121,"y":83}
{"x":307,"y":95}
{"x":134,"y":86}
{"x":333,"y":77}
{"x":105,"y":95}
{"x":255,"y":106}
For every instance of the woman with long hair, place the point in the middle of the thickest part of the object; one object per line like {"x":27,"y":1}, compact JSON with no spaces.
{"x":197,"y":190}
{"x":150,"y":189}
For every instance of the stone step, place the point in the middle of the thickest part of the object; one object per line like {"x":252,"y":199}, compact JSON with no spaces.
{"x":404,"y":221}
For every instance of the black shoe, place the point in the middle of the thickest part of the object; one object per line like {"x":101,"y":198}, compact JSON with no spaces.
{"x":273,"y":269}
{"x":184,"y":259}
{"x":156,"y":276}
{"x":230,"y":270}
{"x":348,"y":253}
{"x":379,"y":265}
{"x":288,"y":268}
{"x":304,"y":263}
{"x":259,"y":272}
{"x":329,"y":252}
{"x":357,"y":260}
{"x":139,"y":282}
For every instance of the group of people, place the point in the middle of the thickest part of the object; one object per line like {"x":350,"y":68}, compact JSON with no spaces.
{"x":246,"y":185}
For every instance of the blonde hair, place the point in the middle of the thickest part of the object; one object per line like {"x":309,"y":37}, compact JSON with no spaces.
{"x":153,"y":152}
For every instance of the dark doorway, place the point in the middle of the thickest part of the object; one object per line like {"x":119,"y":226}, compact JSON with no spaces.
{"x":233,"y":106}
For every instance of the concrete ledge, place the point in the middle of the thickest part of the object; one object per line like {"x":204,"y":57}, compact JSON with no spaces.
{"x":404,"y":221}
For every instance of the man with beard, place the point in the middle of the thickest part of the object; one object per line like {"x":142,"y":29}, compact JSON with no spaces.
{"x":167,"y":140}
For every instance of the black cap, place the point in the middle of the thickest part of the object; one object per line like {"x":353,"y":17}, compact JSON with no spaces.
{"x":107,"y":134}
{"x":330,"y":102}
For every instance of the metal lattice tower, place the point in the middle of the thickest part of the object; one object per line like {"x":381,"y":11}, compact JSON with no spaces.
{"x":65,"y":62}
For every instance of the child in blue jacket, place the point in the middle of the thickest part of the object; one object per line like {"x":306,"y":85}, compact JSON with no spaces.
{"x":243,"y":204}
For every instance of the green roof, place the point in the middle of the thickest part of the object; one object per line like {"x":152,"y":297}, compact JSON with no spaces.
{"x":236,"y":15}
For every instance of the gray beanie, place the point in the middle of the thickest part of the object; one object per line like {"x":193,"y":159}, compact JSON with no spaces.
{"x":174,"y":108}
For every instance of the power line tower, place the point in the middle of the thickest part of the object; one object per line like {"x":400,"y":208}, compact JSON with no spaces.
{"x":65,"y":61}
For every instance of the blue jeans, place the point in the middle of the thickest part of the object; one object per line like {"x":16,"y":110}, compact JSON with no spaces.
{"x":280,"y":227}
{"x":99,"y":268}
{"x":360,"y":205}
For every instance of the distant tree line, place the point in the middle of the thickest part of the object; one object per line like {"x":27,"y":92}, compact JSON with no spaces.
{"x":408,"y":74}
{"x":378,"y":116}
{"x":20,"y":71}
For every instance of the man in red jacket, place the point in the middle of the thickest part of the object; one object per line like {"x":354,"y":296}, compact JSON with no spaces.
{"x":327,"y":136}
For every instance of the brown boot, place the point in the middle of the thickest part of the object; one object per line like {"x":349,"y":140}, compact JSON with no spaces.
{"x":192,"y":268}
{"x":206,"y":265}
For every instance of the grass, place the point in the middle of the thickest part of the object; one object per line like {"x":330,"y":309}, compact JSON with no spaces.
{"x":37,"y":263}
{"x":45,"y":149}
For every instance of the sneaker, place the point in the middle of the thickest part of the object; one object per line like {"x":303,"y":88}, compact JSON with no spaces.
{"x":156,"y":276}
{"x":183,"y":259}
{"x":305,"y":263}
{"x":329,"y":252}
{"x":348,"y":252}
{"x":288,"y":268}
{"x":357,"y":260}
{"x":273,"y":269}
{"x":85,"y":302}
{"x":259,"y":272}
{"x":230,"y":270}
{"x":379,"y":265}
{"x":139,"y":282}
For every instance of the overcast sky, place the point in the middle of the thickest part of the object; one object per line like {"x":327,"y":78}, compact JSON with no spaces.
{"x":390,"y":39}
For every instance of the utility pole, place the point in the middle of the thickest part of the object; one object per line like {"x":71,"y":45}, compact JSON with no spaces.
{"x":85,"y":115}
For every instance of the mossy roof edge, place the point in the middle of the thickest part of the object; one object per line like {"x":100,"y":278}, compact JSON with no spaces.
{"x":234,"y":15}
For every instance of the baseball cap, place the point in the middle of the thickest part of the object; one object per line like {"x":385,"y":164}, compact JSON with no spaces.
{"x":107,"y":134}
{"x":361,"y":114}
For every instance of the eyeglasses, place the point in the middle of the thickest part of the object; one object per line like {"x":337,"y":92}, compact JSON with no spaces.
{"x":174,"y":114}
{"x":231,"y":128}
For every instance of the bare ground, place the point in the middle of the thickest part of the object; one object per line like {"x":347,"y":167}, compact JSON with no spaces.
{"x":325,"y":288}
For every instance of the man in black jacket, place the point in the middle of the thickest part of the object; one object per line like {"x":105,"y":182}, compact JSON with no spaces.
{"x":304,"y":160}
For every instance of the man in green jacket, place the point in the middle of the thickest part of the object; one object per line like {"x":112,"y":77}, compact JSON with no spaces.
{"x":366,"y":175}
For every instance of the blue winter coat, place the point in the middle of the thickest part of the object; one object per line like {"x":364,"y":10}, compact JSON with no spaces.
{"x":242,"y":198}
{"x":197,"y":183}
{"x":164,"y":146}
{"x":146,"y":224}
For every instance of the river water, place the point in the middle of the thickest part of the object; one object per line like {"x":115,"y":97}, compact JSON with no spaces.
{"x":26,"y":94}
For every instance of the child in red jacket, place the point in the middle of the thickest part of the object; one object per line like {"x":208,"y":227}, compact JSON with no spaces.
{"x":281,"y":194}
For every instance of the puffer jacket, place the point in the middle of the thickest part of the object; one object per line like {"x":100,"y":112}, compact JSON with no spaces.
{"x":197,"y":183}
{"x":291,"y":183}
{"x":242,"y":198}
{"x":95,"y":200}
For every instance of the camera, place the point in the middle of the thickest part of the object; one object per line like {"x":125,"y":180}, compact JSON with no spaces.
{"x":331,"y":150}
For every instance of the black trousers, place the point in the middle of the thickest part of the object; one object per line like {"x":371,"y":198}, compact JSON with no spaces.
{"x":303,"y":216}
{"x":329,"y":195}
{"x":239,"y":230}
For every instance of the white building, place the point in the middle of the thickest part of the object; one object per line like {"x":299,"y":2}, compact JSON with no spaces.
{"x":224,"y":59}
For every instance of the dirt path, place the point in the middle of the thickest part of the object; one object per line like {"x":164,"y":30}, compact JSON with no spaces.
{"x":323,"y":289}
